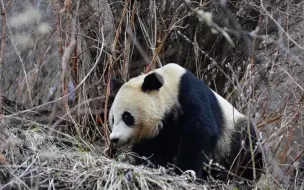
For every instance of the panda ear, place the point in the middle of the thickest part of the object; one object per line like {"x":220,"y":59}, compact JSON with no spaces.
{"x":115,"y":85}
{"x":152,"y":82}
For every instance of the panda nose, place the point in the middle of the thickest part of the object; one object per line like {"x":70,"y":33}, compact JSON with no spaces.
{"x":114,"y":140}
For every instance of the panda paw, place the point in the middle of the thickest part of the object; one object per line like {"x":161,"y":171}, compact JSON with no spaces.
{"x":189,"y":175}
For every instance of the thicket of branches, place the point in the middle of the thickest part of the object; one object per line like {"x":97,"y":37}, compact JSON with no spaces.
{"x":56,"y":58}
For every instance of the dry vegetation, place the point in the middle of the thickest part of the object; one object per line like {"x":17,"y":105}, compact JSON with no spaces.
{"x":57,"y":56}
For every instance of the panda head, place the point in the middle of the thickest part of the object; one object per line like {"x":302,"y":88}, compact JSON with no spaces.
{"x":137,"y":110}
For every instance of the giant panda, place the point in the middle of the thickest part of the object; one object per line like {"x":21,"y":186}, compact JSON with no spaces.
{"x":171,"y":117}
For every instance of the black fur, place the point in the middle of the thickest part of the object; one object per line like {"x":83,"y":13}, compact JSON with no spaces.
{"x":127,"y":118}
{"x":162,"y":149}
{"x":151,"y":82}
{"x":115,"y":85}
{"x":242,"y":164}
{"x":196,"y":129}
{"x":200,"y":124}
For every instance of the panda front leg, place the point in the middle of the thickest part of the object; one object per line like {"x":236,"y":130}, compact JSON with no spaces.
{"x":193,"y":151}
{"x":146,"y":156}
{"x":189,"y":157}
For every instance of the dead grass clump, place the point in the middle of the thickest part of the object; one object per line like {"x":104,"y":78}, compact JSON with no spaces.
{"x":35,"y":160}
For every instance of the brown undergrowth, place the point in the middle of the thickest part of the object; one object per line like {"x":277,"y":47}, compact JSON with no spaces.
{"x":57,"y":57}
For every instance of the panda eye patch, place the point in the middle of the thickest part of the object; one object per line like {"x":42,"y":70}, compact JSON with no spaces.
{"x":127,"y":118}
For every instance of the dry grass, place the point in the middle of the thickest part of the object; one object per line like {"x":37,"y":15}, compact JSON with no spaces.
{"x":37,"y":160}
{"x":56,"y":58}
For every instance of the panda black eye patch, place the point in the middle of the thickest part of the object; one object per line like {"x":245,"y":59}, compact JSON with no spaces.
{"x":127,"y":118}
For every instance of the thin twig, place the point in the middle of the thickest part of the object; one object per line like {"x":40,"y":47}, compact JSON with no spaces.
{"x":279,"y":26}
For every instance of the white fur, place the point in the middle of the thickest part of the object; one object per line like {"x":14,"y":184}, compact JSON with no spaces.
{"x":122,"y":132}
{"x":230,"y":117}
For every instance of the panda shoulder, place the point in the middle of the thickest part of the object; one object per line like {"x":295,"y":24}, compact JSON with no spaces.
{"x":174,"y":67}
{"x":171,"y":72}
